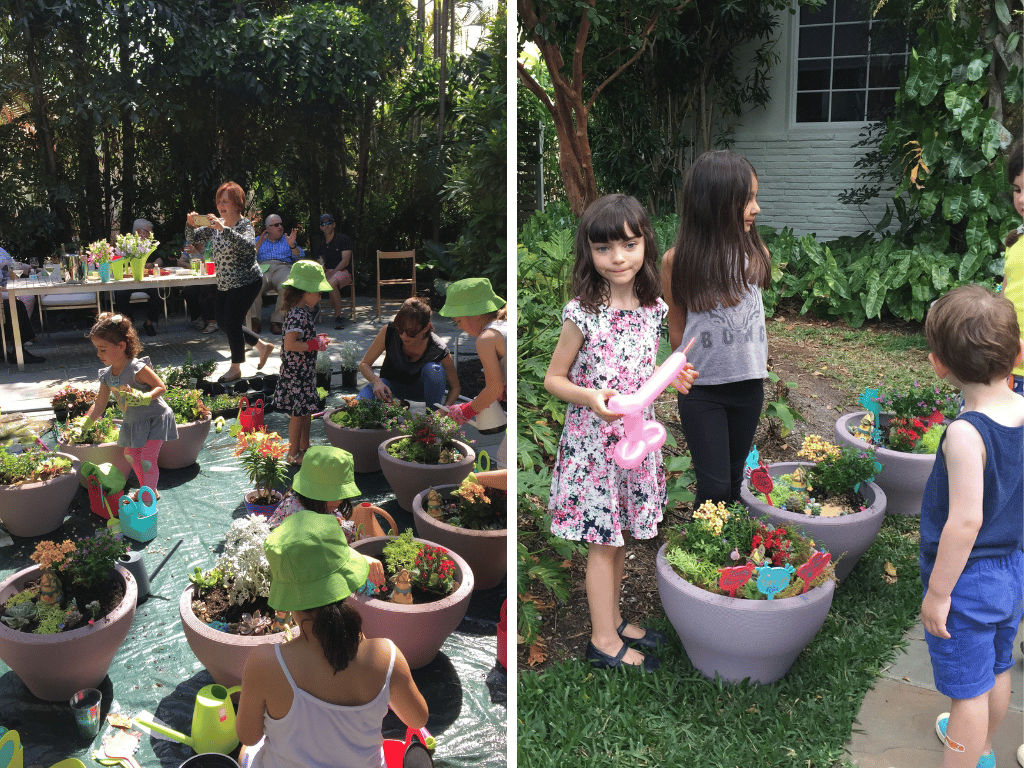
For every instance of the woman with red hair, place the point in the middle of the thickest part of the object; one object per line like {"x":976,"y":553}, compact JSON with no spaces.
{"x":239,"y":278}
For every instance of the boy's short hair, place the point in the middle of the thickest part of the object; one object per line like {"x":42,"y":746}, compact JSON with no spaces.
{"x":974,"y":332}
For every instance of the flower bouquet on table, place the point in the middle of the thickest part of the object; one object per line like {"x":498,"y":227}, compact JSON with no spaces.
{"x":472,"y":506}
{"x":721,"y":550}
{"x":430,"y":439}
{"x":132,"y":246}
{"x":100,"y":252}
{"x":830,"y":488}
{"x":371,"y":413}
{"x":908,"y":420}
{"x":232,"y":595}
{"x":263,"y":459}
{"x":76,"y":588}
{"x":416,"y":572}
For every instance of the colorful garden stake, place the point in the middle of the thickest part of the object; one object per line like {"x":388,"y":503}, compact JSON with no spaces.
{"x":734,"y":578}
{"x":810,"y":570}
{"x":771,"y":580}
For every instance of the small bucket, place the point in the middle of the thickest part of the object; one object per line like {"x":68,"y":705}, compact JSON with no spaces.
{"x":209,"y":760}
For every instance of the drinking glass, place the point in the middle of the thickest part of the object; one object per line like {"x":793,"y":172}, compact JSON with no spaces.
{"x":195,"y":264}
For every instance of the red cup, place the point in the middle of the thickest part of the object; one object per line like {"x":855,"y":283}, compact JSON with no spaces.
{"x":209,"y":268}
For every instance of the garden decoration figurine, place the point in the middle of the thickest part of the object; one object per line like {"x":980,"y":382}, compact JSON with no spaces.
{"x":403,"y":588}
{"x":641,"y":436}
{"x":434,"y":504}
{"x":864,"y":431}
{"x":798,"y":480}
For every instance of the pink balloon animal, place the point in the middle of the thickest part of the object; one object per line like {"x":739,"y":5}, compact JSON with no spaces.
{"x":642,"y":436}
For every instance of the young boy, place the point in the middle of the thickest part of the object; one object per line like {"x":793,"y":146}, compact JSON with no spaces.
{"x":972,"y":526}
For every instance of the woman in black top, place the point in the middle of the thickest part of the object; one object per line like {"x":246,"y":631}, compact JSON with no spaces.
{"x":417,"y":365}
{"x":335,"y":254}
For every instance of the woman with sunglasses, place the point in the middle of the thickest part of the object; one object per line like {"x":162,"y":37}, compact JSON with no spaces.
{"x":417,"y":365}
{"x":335,"y":256}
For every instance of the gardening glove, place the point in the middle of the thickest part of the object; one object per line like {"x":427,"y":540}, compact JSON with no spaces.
{"x":75,"y":435}
{"x":461,"y":412}
{"x":136,"y":398}
{"x":319,"y":344}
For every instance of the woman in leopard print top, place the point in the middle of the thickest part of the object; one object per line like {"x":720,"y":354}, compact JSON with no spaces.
{"x":239,"y":278}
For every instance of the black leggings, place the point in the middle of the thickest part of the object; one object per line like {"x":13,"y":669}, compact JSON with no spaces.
{"x":230,"y":309}
{"x":719,"y":422}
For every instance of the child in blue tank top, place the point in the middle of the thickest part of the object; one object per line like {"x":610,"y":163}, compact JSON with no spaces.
{"x":972,"y":527}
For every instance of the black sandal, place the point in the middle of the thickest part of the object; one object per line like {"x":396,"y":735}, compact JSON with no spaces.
{"x":650,"y":640}
{"x":601,"y":660}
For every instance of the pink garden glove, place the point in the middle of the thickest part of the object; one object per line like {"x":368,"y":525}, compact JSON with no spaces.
{"x":461,"y":412}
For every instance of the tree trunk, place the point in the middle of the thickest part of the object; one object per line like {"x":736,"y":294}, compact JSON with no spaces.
{"x":363,"y":161}
{"x":421,"y":30}
{"x":128,"y":213}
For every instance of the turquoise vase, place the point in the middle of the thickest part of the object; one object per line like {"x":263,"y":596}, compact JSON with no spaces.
{"x":104,"y":273}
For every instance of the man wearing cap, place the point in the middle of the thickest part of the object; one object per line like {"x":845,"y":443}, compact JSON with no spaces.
{"x":275,"y":254}
{"x":335,"y":255}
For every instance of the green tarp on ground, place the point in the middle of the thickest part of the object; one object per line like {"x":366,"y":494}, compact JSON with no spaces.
{"x":155,"y":669}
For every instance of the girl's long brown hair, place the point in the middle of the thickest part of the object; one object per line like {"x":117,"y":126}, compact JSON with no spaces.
{"x":714,"y":260}
{"x":604,"y":221}
{"x":1014,"y":166}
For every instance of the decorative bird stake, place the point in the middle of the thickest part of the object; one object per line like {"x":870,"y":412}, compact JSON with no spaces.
{"x":732,"y":579}
{"x":810,"y":570}
{"x":771,"y":580}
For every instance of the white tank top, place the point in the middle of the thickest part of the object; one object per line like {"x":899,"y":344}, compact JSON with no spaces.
{"x":315,"y":734}
{"x":501,"y":326}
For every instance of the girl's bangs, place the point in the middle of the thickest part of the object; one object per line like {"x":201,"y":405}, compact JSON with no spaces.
{"x":611,"y":222}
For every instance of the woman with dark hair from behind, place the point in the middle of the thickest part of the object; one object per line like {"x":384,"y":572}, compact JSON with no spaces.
{"x":318,"y":700}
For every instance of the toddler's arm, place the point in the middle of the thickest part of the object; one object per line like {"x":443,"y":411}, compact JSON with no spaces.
{"x":156,"y":386}
{"x":965,"y":462}
{"x":556,"y":380}
{"x":99,"y":404}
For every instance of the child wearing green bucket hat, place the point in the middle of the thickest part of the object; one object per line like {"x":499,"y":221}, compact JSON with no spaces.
{"x":296,"y":389}
{"x":482,"y":314}
{"x":318,"y":700}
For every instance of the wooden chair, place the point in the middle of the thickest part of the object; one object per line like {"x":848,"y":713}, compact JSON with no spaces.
{"x":67,"y":301}
{"x":411,"y":280}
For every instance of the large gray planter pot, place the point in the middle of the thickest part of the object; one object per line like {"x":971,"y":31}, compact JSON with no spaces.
{"x":54,"y":667}
{"x":35,"y":509}
{"x":485,"y":551}
{"x":183,"y":452}
{"x":847,"y":537}
{"x":418,"y":630}
{"x":903,"y":475}
{"x":408,"y":478}
{"x":361,"y":443}
{"x":98,"y":453}
{"x":736,"y":638}
{"x":223,"y":654}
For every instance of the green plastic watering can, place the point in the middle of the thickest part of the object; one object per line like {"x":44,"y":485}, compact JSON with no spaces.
{"x":213,"y":722}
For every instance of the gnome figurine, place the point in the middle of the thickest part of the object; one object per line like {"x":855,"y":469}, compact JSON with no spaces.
{"x":863,"y":430}
{"x":434,"y":504}
{"x":403,"y":589}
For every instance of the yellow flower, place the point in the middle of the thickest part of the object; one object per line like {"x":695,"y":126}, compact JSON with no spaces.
{"x":715,"y":515}
{"x":817,"y":449}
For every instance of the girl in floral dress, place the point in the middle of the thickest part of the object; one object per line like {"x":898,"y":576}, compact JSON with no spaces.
{"x":296,"y":389}
{"x":608,"y":346}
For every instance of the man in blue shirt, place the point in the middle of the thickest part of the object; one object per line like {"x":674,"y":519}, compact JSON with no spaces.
{"x":275,"y":253}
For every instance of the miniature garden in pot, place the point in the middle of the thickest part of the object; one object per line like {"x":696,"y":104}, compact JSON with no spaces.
{"x":360,"y":426}
{"x":36,"y":490}
{"x":744,"y":596}
{"x":193,"y":420}
{"x":97,"y":444}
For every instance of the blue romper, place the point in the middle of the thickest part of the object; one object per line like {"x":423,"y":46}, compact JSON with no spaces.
{"x":988,"y":600}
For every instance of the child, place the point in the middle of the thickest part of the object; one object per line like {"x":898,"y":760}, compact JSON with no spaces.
{"x":137,"y":390}
{"x":481,"y":314}
{"x":972,"y":567}
{"x":713,"y":277}
{"x":608,"y":346}
{"x":318,"y":700}
{"x":1013,"y":278}
{"x":296,"y":390}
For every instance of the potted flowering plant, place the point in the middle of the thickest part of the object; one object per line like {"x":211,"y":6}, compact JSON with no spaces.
{"x":469,"y":519}
{"x":348,"y":355}
{"x":744,"y":595}
{"x":426,"y":455}
{"x":36,"y":490}
{"x":263,"y":459}
{"x":70,"y":401}
{"x":96,"y":444}
{"x":100,"y":253}
{"x":224,"y":610}
{"x":831,"y":495}
{"x":431,"y":570}
{"x":189,"y":374}
{"x":359,"y":426}
{"x":76,"y":603}
{"x":904,"y":425}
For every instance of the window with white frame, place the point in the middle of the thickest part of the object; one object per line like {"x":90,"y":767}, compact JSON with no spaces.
{"x":848,"y":64}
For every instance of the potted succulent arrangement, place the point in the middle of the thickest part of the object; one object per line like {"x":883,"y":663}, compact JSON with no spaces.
{"x":224,"y":610}
{"x":830,"y":495}
{"x":263,"y":459}
{"x":349,"y":356}
{"x":360,"y":426}
{"x":745,"y":596}
{"x":427,"y":454}
{"x":904,"y":427}
{"x":323,"y":370}
{"x":426,"y":598}
{"x":96,"y":444}
{"x":100,"y":254}
{"x":193,"y":420}
{"x":469,"y":519}
{"x":36,"y":490}
{"x":70,"y":401}
{"x":76,"y":603}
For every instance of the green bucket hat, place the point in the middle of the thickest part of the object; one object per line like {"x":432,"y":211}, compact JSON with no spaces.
{"x":470,"y":297}
{"x":311,"y":563}
{"x":307,"y":276}
{"x":327,"y":474}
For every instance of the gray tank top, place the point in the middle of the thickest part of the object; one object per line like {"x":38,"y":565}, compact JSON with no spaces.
{"x":731,"y":344}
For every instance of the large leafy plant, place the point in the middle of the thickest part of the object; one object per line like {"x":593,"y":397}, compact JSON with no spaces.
{"x":263,"y":459}
{"x":31,"y":465}
{"x":369,"y":413}
{"x":187,"y":405}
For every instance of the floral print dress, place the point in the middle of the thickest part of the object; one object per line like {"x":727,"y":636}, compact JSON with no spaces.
{"x":296,"y":389}
{"x":592,"y":497}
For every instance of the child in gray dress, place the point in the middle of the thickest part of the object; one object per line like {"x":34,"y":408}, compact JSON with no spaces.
{"x":137,"y":390}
